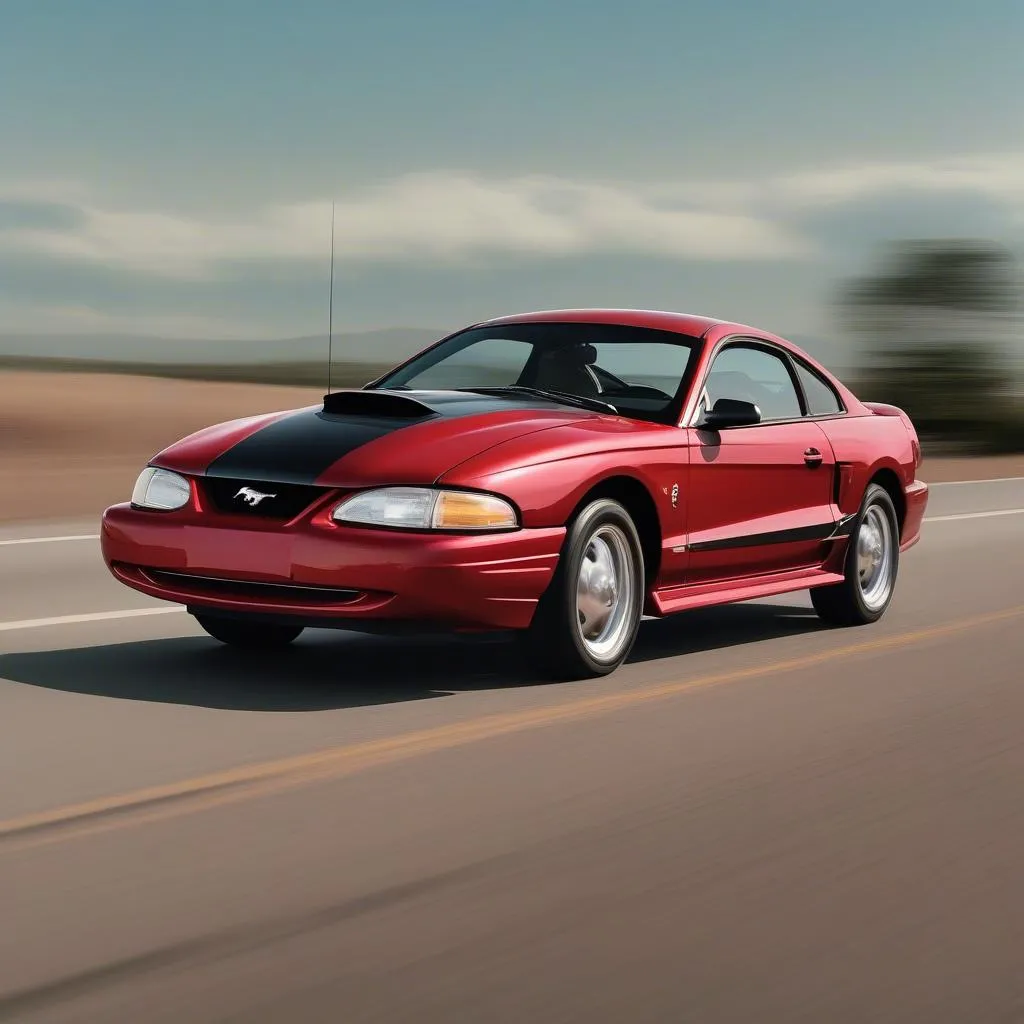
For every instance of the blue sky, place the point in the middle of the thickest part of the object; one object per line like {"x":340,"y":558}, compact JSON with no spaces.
{"x":169,"y":168}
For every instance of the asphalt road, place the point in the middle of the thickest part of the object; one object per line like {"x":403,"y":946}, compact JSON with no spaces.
{"x":756,"y":819}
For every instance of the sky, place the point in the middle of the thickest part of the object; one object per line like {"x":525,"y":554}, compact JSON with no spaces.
{"x":170,"y":168}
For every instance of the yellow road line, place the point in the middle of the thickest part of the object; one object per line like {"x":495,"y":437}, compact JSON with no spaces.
{"x":189,"y":795}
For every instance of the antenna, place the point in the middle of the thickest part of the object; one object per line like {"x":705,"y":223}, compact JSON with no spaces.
{"x":330,"y":309}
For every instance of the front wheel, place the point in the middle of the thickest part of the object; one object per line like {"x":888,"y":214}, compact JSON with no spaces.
{"x":587,"y":621}
{"x":872,"y":563}
{"x":247,"y":635}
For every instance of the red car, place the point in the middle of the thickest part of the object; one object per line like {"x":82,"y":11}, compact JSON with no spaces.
{"x":559,"y":474}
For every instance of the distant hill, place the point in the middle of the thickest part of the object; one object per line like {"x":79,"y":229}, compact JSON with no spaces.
{"x":297,"y":374}
{"x":386,"y":346}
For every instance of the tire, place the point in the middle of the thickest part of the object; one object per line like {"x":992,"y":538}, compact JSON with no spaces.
{"x":582,"y":634}
{"x":871,"y":568}
{"x":248,"y":635}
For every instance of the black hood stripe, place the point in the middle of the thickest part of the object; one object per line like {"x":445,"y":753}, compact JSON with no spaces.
{"x":299,"y":448}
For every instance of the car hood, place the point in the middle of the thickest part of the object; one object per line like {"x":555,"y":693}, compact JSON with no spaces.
{"x":364,"y":438}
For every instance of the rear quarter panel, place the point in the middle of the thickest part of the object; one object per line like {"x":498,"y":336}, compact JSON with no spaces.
{"x":863,"y":445}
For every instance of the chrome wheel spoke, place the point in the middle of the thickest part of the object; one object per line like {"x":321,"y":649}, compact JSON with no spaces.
{"x":606,"y":592}
{"x":875,"y":558}
{"x":596,"y":589}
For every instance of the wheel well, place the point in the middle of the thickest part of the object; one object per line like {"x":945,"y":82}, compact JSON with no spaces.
{"x":887,"y":479}
{"x":637,"y":501}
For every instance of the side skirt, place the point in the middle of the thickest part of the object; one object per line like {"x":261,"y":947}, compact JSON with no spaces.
{"x":678,"y":599}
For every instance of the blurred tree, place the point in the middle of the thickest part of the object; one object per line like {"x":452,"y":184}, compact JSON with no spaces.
{"x":932,"y":327}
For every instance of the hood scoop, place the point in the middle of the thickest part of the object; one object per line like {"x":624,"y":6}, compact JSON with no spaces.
{"x":391,"y":404}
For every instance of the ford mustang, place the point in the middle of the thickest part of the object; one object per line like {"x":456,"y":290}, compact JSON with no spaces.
{"x":557,"y":474}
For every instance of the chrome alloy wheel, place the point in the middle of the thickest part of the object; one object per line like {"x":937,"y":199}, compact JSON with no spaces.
{"x":875,"y":557}
{"x":606,"y":592}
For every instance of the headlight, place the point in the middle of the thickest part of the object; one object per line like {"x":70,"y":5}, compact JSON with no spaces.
{"x":423,"y":508}
{"x":161,"y":490}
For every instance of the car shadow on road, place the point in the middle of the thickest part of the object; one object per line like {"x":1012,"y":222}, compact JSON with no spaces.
{"x":721,"y":627}
{"x":326,"y":670}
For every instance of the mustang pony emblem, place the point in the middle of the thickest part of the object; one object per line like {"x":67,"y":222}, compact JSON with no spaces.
{"x":251,"y":496}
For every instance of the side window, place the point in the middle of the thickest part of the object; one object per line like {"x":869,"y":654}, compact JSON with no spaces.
{"x":493,"y":362}
{"x":821,"y":398}
{"x":754,"y":375}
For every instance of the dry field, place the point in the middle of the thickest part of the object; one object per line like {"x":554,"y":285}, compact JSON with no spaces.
{"x":71,"y":444}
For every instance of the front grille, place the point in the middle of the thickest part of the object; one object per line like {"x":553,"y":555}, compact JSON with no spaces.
{"x":215,"y":585}
{"x":260,"y":498}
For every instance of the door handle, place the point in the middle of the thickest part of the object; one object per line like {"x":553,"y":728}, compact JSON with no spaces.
{"x":812,"y":457}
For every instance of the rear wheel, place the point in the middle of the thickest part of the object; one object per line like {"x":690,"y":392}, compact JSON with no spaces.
{"x":587,"y":621}
{"x":872,"y":563}
{"x":246,"y":634}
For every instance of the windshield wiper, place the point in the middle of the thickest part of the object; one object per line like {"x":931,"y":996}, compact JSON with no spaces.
{"x":556,"y":396}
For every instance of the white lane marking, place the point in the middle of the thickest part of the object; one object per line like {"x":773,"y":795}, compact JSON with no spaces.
{"x":990,"y":480}
{"x":67,"y":620}
{"x":975,"y":515}
{"x":49,"y":540}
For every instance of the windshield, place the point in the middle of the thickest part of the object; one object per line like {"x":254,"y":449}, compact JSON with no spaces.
{"x":640,"y":372}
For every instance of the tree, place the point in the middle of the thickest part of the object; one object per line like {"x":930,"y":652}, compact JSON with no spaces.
{"x":932,"y":326}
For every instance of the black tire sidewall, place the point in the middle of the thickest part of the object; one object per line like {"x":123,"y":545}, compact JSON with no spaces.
{"x":237,"y":632}
{"x":599,"y":512}
{"x":875,"y":495}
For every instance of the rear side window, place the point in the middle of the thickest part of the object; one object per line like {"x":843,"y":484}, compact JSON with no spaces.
{"x":821,"y":397}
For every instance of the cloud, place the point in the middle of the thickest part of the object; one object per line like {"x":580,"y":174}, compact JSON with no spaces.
{"x":463,"y":219}
{"x":438,"y":216}
{"x":999,"y":177}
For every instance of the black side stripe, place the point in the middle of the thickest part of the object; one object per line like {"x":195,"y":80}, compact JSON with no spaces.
{"x":298,"y":448}
{"x":823,"y":532}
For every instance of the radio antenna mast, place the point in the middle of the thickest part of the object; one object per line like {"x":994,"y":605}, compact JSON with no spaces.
{"x":330,"y":310}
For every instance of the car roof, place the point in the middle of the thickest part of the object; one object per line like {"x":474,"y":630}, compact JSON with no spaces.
{"x":680,"y":323}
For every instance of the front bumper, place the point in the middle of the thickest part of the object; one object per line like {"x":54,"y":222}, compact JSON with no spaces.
{"x":323,"y":573}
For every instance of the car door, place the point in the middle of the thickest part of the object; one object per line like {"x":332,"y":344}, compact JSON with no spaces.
{"x":760,"y":496}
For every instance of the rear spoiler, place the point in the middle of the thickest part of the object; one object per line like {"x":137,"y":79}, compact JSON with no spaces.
{"x":881,"y":409}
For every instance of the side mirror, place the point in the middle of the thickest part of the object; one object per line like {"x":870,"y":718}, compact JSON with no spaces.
{"x":731,"y":412}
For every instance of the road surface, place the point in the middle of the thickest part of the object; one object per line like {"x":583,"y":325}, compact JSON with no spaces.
{"x":756,"y":819}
